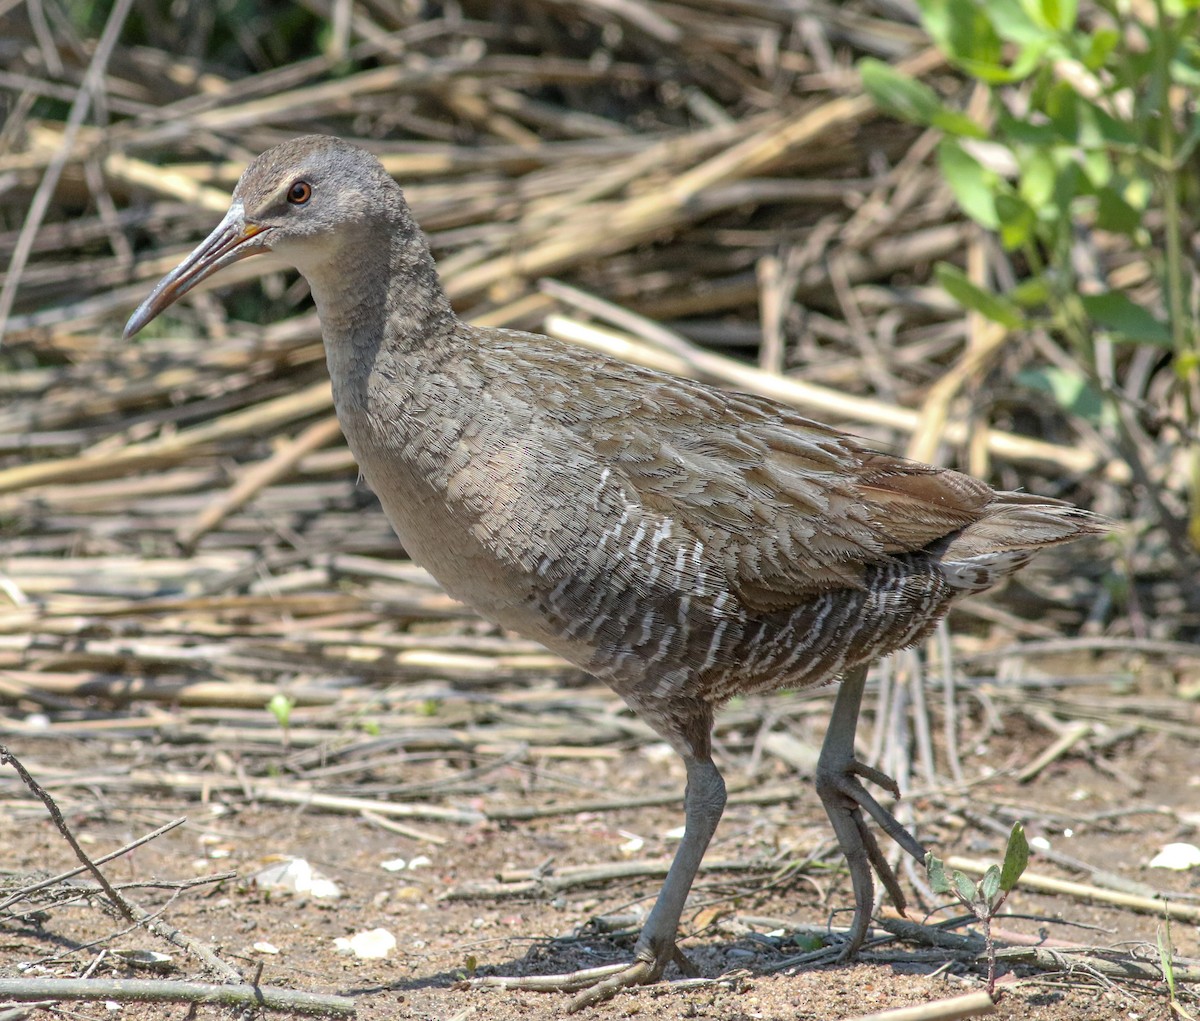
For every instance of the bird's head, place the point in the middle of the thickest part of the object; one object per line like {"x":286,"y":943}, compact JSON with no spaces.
{"x":304,"y":200}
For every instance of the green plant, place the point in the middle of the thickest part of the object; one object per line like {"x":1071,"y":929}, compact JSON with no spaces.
{"x":985,"y":897}
{"x":1166,"y":957}
{"x":1089,"y":135}
{"x":281,"y":707}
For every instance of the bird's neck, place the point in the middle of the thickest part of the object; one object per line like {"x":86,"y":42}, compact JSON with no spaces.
{"x":379,"y":314}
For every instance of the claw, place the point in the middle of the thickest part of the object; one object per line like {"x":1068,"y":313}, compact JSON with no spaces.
{"x":595,"y":985}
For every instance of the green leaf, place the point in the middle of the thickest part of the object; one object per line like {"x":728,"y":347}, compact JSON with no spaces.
{"x":1115,"y":214}
{"x":1185,"y":364}
{"x":1101,"y":44}
{"x":965,"y":32}
{"x":1068,"y":186}
{"x":1189,"y":142}
{"x":1016,"y":857}
{"x":971,"y":296}
{"x":1106,"y":129}
{"x":908,"y":99}
{"x":1056,"y":14}
{"x":1019,"y":21}
{"x":974,"y":186}
{"x":1084,"y":123}
{"x":1184,"y":70}
{"x":1166,"y":958}
{"x":964,"y":887}
{"x":1130,"y":321}
{"x":899,"y":94}
{"x":1039,"y":172}
{"x":989,"y":886}
{"x":1070,"y":390}
{"x":1018,"y":221}
{"x":1098,"y":167}
{"x":972,"y":38}
{"x":1031,"y":293}
{"x":1018,"y":131}
{"x":936,"y":871}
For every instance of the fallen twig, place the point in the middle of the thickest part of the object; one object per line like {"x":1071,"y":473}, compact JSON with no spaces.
{"x":161,"y":991}
{"x":1048,"y":884}
{"x":953,"y":1009}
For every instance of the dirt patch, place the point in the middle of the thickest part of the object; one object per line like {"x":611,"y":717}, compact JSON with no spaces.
{"x":1111,"y":807}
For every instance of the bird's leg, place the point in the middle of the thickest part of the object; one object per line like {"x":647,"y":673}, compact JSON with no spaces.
{"x":844,"y":797}
{"x":703,"y":802}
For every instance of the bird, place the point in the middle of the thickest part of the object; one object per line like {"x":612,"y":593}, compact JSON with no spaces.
{"x":680,"y":542}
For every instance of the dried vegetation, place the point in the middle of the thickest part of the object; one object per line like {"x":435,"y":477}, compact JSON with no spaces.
{"x":698,"y":185}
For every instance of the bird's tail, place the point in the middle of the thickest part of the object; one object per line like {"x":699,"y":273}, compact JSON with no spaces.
{"x":1015,"y":527}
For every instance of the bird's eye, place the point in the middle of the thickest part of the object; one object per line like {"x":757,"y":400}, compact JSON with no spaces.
{"x":299,"y":193}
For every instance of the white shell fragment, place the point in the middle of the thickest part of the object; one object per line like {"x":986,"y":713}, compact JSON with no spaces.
{"x":374,"y":943}
{"x":151,"y":960}
{"x":633,"y":843}
{"x":295,"y":875}
{"x":1177,"y":856}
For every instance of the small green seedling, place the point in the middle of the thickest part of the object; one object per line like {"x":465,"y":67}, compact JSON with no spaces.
{"x":1166,"y":957}
{"x":281,"y":707}
{"x":985,"y":897}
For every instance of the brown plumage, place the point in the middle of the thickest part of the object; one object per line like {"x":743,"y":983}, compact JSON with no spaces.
{"x":682,"y":543}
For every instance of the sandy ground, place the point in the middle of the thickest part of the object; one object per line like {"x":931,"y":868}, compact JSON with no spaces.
{"x":1113,"y":811}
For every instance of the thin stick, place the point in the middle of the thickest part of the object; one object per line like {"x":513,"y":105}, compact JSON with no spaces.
{"x":90,"y":85}
{"x":70,"y":873}
{"x":954,"y":1009}
{"x":405,"y":831}
{"x":257,"y":478}
{"x":155,"y":991}
{"x":818,"y":399}
{"x":329,"y":801}
{"x":167,"y":449}
{"x":1048,"y":884}
{"x":119,"y":902}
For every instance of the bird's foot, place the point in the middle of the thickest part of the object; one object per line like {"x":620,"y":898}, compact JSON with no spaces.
{"x":845,"y":798}
{"x":595,"y":985}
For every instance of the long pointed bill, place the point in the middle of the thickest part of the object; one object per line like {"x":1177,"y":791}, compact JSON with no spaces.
{"x":233,"y":239}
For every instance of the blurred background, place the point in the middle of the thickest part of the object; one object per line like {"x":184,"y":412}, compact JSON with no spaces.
{"x":966,"y":231}
{"x":969,"y":240}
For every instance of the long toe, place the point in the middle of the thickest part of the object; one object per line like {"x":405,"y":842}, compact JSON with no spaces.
{"x":595,"y":985}
{"x":639,"y":973}
{"x":843,"y":786}
{"x":845,"y":800}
